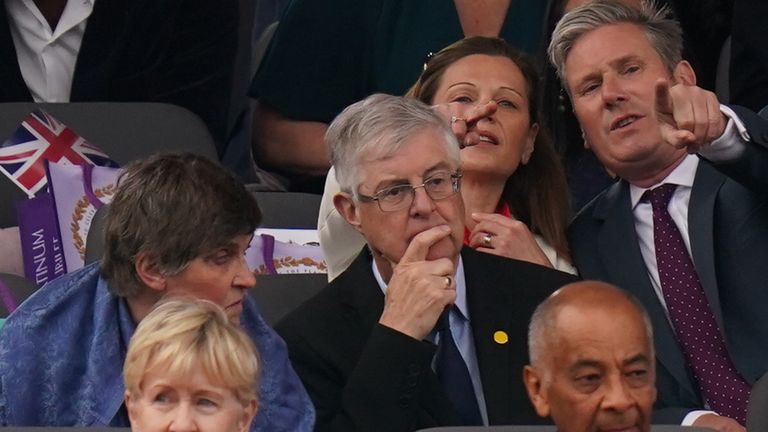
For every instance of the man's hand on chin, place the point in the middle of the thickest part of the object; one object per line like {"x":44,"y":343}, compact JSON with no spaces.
{"x":419,"y":290}
{"x":719,"y":423}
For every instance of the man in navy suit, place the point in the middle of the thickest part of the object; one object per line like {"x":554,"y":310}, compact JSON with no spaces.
{"x":646,"y":120}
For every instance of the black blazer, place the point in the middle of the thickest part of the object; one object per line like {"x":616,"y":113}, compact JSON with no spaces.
{"x":362,"y":376}
{"x":173,"y":51}
{"x":728,"y":230}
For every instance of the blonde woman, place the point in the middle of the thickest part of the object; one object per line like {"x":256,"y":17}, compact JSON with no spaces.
{"x":189,"y":368}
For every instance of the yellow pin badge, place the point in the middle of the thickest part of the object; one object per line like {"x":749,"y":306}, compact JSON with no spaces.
{"x":500,"y":337}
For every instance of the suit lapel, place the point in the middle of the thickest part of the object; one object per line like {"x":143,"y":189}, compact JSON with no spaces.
{"x":489,"y":313}
{"x":361,"y":291}
{"x":13,"y":88}
{"x":701,"y":210}
{"x":621,"y":258}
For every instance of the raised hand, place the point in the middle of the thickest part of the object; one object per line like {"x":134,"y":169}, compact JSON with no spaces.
{"x":464,"y":117}
{"x":689,"y":116}
{"x":504,"y":236}
{"x":419,"y":290}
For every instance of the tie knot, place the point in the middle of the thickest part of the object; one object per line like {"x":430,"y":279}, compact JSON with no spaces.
{"x":443,"y":323}
{"x":659,"y":197}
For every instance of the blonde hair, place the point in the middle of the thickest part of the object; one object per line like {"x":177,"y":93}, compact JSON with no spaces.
{"x":184,"y":335}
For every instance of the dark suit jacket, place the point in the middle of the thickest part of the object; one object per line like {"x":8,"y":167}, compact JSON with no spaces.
{"x":728,"y":229}
{"x":173,"y":51}
{"x":748,"y":74}
{"x":363,"y":376}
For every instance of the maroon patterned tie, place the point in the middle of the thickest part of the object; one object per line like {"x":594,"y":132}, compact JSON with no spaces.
{"x":697,"y":332}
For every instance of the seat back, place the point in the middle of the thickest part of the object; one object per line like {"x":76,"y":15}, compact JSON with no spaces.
{"x":278,"y":295}
{"x":757,"y":409}
{"x":14,"y":290}
{"x":94,"y":243}
{"x":288,"y":209}
{"x":126,"y":131}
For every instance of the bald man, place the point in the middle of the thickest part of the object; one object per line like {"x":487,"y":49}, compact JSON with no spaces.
{"x":592,"y":360}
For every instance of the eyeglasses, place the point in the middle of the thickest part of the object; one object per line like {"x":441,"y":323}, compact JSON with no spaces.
{"x":438,"y":186}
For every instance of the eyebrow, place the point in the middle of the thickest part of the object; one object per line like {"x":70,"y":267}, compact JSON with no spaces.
{"x":442,"y":165}
{"x":473,"y":85}
{"x":614,"y":64}
{"x":639,"y":358}
{"x":584,"y":363}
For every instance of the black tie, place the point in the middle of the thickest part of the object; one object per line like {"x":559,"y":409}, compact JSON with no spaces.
{"x":453,"y":373}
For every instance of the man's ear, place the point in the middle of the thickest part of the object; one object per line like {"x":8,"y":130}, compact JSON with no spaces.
{"x":684,"y":74}
{"x":584,"y":138}
{"x":348,"y":209}
{"x":534,"y":385}
{"x":530,"y":141}
{"x":148,"y":272}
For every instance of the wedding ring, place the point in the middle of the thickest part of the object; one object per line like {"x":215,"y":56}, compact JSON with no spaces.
{"x":487,"y":240}
{"x":454,"y":119}
{"x":447,"y":281}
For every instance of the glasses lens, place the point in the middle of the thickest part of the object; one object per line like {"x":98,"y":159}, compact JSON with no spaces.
{"x":440,"y":186}
{"x":395,"y":198}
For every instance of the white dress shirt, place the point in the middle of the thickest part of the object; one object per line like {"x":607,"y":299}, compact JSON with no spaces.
{"x":730,"y":145}
{"x":47,"y":57}
{"x":462,"y":333}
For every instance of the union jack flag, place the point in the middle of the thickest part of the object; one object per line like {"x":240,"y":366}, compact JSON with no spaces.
{"x":42,"y":137}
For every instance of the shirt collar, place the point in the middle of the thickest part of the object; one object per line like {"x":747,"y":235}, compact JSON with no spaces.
{"x":461,"y":286}
{"x":682,"y":175}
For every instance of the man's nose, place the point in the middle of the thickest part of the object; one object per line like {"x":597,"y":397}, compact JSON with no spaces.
{"x":617,"y":396}
{"x":612,"y":90}
{"x":422,"y":202}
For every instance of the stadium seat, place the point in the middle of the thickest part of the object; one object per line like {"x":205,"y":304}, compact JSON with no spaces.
{"x":94,"y":243}
{"x":288,"y":209}
{"x":124,"y":130}
{"x":14,"y":289}
{"x":757,"y":410}
{"x":278,"y":295}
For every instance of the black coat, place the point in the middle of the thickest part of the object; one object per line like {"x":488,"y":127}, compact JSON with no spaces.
{"x":363,"y":376}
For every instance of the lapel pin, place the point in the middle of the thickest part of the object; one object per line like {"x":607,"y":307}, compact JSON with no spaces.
{"x":500,"y":337}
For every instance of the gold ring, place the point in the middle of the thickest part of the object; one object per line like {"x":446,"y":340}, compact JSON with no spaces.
{"x":487,"y":240}
{"x":454,"y":119}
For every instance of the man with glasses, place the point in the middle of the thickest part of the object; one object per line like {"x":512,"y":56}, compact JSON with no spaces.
{"x":418,"y":332}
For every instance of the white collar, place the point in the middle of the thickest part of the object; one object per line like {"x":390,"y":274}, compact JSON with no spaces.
{"x":682,"y":175}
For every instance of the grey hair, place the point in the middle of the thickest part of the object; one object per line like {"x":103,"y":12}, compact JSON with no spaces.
{"x":377,"y":127}
{"x":661,"y":29}
{"x":542,"y":325}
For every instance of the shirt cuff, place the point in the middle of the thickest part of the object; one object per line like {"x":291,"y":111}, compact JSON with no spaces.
{"x":692,"y":416}
{"x":732,"y":143}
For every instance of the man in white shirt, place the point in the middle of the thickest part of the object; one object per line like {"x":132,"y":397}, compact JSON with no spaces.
{"x":173,"y":51}
{"x":686,"y":227}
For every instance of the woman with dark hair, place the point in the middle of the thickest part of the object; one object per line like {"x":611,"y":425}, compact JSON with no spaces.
{"x":513,"y":185}
{"x":512,"y":174}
